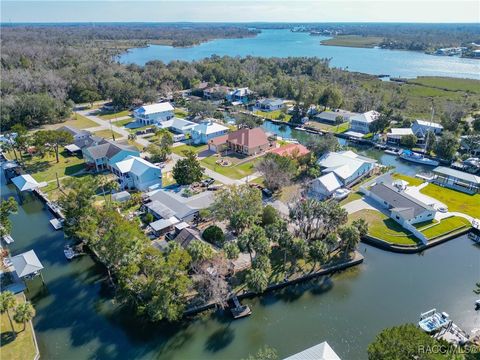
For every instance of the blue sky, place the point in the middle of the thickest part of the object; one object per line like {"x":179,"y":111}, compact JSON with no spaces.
{"x":241,"y":11}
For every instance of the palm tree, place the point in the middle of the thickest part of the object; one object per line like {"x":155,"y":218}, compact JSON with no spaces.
{"x":477,"y":288}
{"x":24,"y":312}
{"x":8,"y":302}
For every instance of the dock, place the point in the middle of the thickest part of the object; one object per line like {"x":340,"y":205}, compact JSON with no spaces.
{"x":57,"y":224}
{"x":8,"y":239}
{"x":239,"y":311}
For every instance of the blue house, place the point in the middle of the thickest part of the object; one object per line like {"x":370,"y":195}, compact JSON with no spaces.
{"x":136,"y":173}
{"x":207,"y":130}
{"x":269,"y":104}
{"x":102,"y":156}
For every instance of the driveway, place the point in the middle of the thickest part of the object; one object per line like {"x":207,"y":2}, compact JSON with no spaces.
{"x":358,"y":205}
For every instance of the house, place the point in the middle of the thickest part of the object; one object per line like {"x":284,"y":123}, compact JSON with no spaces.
{"x":421,"y":127}
{"x":216,"y":92}
{"x":136,"y":173}
{"x":322,"y":351}
{"x":291,"y":150}
{"x":178,"y":126}
{"x":154,"y":113}
{"x":186,"y":236}
{"x":361,"y":122}
{"x":269,"y":104}
{"x":207,"y":130}
{"x":102,"y":156}
{"x":77,"y":134}
{"x":470,"y":144}
{"x":326,"y":185}
{"x":334,"y":117}
{"x":346,"y":165}
{"x":404,"y":209}
{"x":239,"y":95}
{"x":121,"y":196}
{"x":395,"y":135}
{"x":457,"y":180}
{"x":244,"y":141}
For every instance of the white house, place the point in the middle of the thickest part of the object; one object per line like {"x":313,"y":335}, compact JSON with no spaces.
{"x":207,"y":130}
{"x":421,"y":127}
{"x":178,"y":126}
{"x":361,"y":122}
{"x":404,"y":209}
{"x":326,"y":185}
{"x":78,"y":134}
{"x":269,"y":104}
{"x":154,"y":113}
{"x":136,"y":173}
{"x":396,"y":134}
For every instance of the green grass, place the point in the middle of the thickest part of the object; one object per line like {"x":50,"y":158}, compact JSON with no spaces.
{"x":123,"y":122}
{"x":273,"y":115}
{"x":79,"y":121}
{"x":107,"y":134}
{"x":445,"y":226}
{"x":382,"y":227}
{"x":181,"y":113}
{"x":196,"y":148}
{"x":108,"y":116}
{"x":449,"y":84}
{"x":44,"y":169}
{"x":455,"y":200}
{"x":337,"y":129}
{"x":23,"y":346}
{"x":233,"y":172}
{"x":412,"y":181}
{"x":353,"y":41}
{"x":351,"y":197}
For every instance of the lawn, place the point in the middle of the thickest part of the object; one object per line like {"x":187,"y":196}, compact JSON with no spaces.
{"x":412,"y":181}
{"x":273,"y":115}
{"x":233,"y":172}
{"x":353,"y":41}
{"x":23,"y":346}
{"x":455,"y":200}
{"x":80,"y":122}
{"x":445,"y":226}
{"x":108,"y":116}
{"x":181,"y":113}
{"x":196,"y":148}
{"x":351,"y":197}
{"x":123,"y":122}
{"x":337,"y":129}
{"x":382,"y":227}
{"x":107,"y":134}
{"x":44,"y":169}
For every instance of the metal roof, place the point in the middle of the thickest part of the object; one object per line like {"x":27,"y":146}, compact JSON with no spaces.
{"x":154,"y":108}
{"x":26,"y":263}
{"x":322,"y":351}
{"x":457,"y":174}
{"x":25,"y":182}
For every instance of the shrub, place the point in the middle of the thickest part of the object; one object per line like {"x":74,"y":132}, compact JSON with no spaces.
{"x":214,"y":235}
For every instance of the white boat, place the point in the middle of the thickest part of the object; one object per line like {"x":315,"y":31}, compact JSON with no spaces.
{"x":391,"y":151}
{"x":57,"y":224}
{"x":299,"y":128}
{"x":432,"y":320}
{"x":70,"y":253}
{"x":417,"y":158}
{"x":8,"y":239}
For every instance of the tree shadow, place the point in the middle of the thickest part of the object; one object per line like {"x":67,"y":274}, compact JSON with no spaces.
{"x":220,"y":339}
{"x":325,"y":285}
{"x":6,"y":338}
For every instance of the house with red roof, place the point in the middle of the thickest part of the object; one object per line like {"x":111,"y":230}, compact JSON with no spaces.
{"x":243,"y":141}
{"x":291,"y":150}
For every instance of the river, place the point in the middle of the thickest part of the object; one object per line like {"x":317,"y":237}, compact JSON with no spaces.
{"x":284,"y":43}
{"x":77,"y":319}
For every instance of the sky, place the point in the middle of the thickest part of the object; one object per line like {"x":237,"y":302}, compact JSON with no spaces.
{"x":241,"y":11}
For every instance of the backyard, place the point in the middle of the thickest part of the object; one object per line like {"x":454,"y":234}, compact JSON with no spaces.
{"x":444,"y":227}
{"x":23,"y":346}
{"x":78,"y":121}
{"x":455,"y":200}
{"x":113,"y":115}
{"x":273,"y":115}
{"x":196,"y":148}
{"x":412,"y":181}
{"x":337,"y":129}
{"x":234,"y":171}
{"x":382,"y":227}
{"x":107,"y":134}
{"x":45,"y":168}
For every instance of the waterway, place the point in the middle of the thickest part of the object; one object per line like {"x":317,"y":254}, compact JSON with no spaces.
{"x":77,"y":318}
{"x":284,"y":43}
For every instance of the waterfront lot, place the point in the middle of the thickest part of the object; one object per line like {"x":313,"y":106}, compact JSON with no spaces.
{"x":382,"y":227}
{"x":455,"y":200}
{"x":337,"y":129}
{"x":412,"y":181}
{"x":196,"y":148}
{"x":20,"y":347}
{"x":445,"y":226}
{"x":273,"y":115}
{"x":238,"y":171}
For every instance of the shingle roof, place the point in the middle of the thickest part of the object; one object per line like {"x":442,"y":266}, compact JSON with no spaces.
{"x":108,"y":149}
{"x":330,"y":182}
{"x":291,"y":149}
{"x":245,"y":137}
{"x":399,"y":200}
{"x":165,"y":205}
{"x":73,"y":130}
{"x":26,"y":263}
{"x":186,"y":236}
{"x":271,"y":102}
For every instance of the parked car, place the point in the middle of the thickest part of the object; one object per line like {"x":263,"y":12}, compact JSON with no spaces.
{"x":207,"y":182}
{"x":267,"y":193}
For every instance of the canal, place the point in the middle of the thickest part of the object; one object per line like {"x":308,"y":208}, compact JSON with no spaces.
{"x":78,"y":319}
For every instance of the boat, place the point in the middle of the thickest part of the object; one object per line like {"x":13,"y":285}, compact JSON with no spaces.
{"x":409,"y":155}
{"x":239,"y":311}
{"x":300,"y":128}
{"x":70,"y":252}
{"x":432,"y":321}
{"x":341,"y":194}
{"x":391,"y":151}
{"x":477,"y":304}
{"x":8,"y":239}
{"x":57,"y":224}
{"x":474,"y":237}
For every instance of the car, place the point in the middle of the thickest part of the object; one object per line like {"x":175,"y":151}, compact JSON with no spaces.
{"x":207,"y":182}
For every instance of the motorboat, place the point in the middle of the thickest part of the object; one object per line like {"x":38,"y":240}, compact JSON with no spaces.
{"x":477,"y":304}
{"x":432,"y":321}
{"x":70,"y":252}
{"x":409,"y":155}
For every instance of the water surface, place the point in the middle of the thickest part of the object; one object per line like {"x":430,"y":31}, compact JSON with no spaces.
{"x":284,"y":43}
